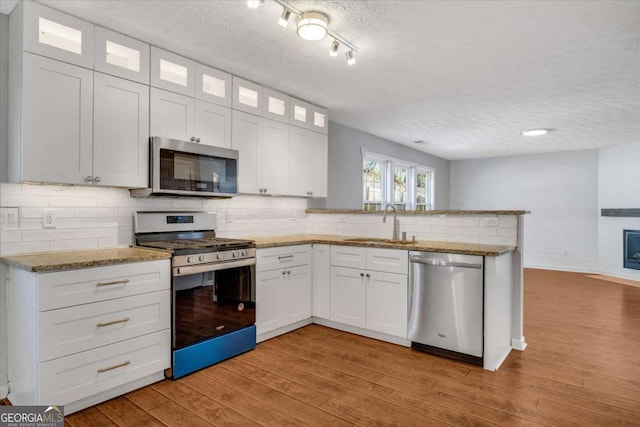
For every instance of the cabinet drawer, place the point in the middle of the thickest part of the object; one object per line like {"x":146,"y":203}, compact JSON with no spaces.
{"x":75,"y":329}
{"x":388,"y":260}
{"x":286,"y":256}
{"x":75,"y":377}
{"x":349,"y":256}
{"x":74,"y":287}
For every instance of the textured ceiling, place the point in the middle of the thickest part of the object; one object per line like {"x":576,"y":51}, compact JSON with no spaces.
{"x":464,"y":76}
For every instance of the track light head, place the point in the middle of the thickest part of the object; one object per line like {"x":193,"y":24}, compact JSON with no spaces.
{"x":254,"y":4}
{"x":351,"y":59}
{"x":334,"y":48}
{"x":284,"y":18}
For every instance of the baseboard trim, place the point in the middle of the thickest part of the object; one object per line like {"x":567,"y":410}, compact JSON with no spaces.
{"x":499,"y":362}
{"x":283,"y":330}
{"x":518,"y":344}
{"x":556,"y":268}
{"x":363,"y":332}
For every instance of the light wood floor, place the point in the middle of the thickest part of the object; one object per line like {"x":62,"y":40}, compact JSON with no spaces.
{"x":582,"y":367}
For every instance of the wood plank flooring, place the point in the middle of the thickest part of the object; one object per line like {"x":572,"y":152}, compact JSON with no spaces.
{"x":581,"y":368}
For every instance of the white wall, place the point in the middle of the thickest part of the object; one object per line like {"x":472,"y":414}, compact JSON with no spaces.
{"x":560,"y":190}
{"x":618,"y":187}
{"x":4,"y":73}
{"x":345,"y":167}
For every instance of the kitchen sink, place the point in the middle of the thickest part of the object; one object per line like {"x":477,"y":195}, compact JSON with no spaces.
{"x":379,"y":241}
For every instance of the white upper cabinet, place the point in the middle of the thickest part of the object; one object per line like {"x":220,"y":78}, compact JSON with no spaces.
{"x":308,"y":116}
{"x":213,"y":85}
{"x":121,"y":56}
{"x":277,"y":105}
{"x":244,"y":138}
{"x":213,"y":124}
{"x":120,"y":132}
{"x":307,"y":154}
{"x":39,"y":29}
{"x":172,"y":72}
{"x":172,"y":115}
{"x":50,"y":137}
{"x":248,"y":97}
{"x":273,"y":163}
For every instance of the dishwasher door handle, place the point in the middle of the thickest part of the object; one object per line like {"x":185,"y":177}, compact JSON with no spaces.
{"x":441,"y":263}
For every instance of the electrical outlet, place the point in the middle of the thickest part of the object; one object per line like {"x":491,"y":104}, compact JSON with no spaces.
{"x":9,"y":218}
{"x":489,"y":222}
{"x":229,"y":216}
{"x":49,"y":218}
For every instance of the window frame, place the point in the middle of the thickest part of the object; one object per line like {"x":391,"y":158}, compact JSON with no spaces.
{"x":388,"y":187}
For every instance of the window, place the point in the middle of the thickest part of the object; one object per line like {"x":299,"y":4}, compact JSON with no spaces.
{"x":405,"y":185}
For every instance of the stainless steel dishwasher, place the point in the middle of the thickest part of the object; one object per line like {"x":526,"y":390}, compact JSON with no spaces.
{"x":446,"y":295}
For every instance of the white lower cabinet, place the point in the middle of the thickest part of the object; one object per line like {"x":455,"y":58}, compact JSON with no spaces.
{"x":321,"y":284}
{"x":80,"y":337}
{"x":283,"y":292}
{"x":369,"y":289}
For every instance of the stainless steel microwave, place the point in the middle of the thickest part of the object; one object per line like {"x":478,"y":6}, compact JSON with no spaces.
{"x":181,"y":168}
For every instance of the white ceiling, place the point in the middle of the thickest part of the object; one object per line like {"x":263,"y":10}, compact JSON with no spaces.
{"x":464,"y":76}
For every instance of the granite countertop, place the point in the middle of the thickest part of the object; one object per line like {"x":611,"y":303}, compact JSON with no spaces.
{"x":71,"y":260}
{"x":420,"y":245}
{"x":440,"y":212}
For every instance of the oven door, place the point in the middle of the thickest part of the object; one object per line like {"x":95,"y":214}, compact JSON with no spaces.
{"x":187,"y":168}
{"x":211,"y":300}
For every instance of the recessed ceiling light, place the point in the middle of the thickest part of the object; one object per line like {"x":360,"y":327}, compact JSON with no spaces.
{"x":535,"y":132}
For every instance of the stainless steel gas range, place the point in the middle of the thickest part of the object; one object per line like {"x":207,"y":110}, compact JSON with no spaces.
{"x":213,"y":287}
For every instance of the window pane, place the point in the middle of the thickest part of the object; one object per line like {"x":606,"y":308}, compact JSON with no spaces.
{"x":400,"y":176}
{"x":373,"y":191}
{"x":421,"y":188}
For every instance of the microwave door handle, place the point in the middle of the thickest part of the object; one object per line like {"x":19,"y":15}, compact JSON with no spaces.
{"x":203,"y":268}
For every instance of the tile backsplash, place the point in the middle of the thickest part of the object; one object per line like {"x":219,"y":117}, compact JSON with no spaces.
{"x":99,"y":217}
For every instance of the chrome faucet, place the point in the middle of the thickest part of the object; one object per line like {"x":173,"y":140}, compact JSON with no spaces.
{"x":396,"y":225}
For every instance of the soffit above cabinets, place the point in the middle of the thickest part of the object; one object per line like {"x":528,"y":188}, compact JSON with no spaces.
{"x":465,"y":77}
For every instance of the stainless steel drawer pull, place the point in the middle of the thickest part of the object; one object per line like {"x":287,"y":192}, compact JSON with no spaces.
{"x":112,"y":322}
{"x":110,"y":368}
{"x":115,"y":282}
{"x":285,"y":256}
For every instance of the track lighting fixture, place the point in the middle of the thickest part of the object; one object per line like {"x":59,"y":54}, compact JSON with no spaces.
{"x":351,"y":59}
{"x":334,"y":48}
{"x":254,"y":4}
{"x":311,"y":25}
{"x":284,"y":18}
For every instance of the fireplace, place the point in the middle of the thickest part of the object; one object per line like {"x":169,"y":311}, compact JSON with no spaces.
{"x":631,"y":252}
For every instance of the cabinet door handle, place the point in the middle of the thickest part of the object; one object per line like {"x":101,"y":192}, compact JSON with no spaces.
{"x":112,"y":322}
{"x":193,"y":139}
{"x":285,"y":257}
{"x":197,"y":139}
{"x":284,"y":272}
{"x":368,"y":275}
{"x":361,"y":274}
{"x":115,"y":282}
{"x":96,"y":179}
{"x":110,"y":368}
{"x":88,"y":179}
{"x":288,"y":271}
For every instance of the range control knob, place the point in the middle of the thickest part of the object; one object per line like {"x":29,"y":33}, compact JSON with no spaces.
{"x":243,"y":252}
{"x":191,"y":259}
{"x":234,"y":254}
{"x":219,"y":256}
{"x":202,"y":258}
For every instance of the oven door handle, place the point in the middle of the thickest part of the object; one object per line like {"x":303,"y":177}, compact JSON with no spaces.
{"x":203,"y":268}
